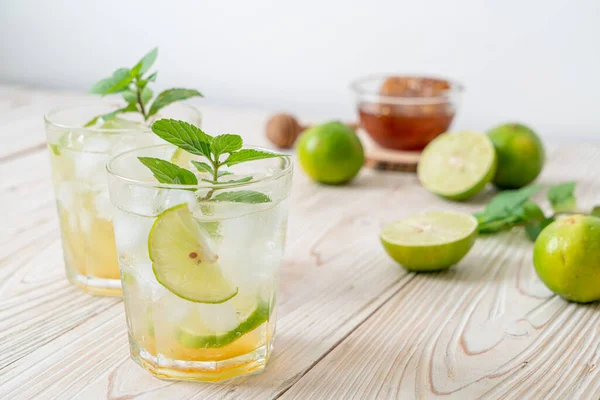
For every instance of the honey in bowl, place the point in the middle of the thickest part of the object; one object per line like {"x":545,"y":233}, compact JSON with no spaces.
{"x":406,"y":113}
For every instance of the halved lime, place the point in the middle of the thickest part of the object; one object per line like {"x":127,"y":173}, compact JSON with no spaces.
{"x":195,"y":332}
{"x":457,"y":165}
{"x":430,"y":241}
{"x":183,"y":261}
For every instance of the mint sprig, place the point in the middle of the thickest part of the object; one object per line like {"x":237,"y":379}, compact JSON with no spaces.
{"x":562,"y":197}
{"x":132,"y":83}
{"x":515,"y":208}
{"x":219,"y":152}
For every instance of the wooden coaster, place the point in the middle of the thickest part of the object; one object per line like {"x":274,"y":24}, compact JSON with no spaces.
{"x":380,"y":158}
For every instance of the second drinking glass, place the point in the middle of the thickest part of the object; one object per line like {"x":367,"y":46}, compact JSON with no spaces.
{"x":78,"y":156}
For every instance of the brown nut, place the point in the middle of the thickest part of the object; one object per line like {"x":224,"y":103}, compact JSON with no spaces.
{"x":282,"y":130}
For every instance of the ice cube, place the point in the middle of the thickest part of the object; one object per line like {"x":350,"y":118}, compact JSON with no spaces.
{"x":89,"y":167}
{"x":104,"y":208}
{"x":131,"y":235}
{"x":96,"y":143}
{"x":168,"y":198}
{"x":65,"y":194}
{"x":219,"y":318}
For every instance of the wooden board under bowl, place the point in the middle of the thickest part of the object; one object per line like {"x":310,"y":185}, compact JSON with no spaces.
{"x":380,"y":158}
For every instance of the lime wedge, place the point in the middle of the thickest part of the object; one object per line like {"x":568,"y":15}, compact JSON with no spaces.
{"x":195,"y":332}
{"x":183,"y":261}
{"x":457,"y":165}
{"x":430,"y":241}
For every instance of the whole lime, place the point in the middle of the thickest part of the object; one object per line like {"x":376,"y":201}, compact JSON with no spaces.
{"x":520,"y":155}
{"x":566,"y":256}
{"x":330,"y":153}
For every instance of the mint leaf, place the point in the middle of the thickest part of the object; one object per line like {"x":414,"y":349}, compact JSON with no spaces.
{"x":146,"y":95}
{"x":508,"y":209}
{"x":203,"y":167}
{"x":131,"y":107}
{"x":562,"y":197}
{"x":497,"y":225}
{"x":166,"y":172}
{"x":223,"y":173}
{"x":534,"y":229}
{"x":152,"y":77}
{"x":226,"y":144}
{"x":121,"y":79}
{"x":129,"y":96}
{"x":92,"y":121}
{"x":243,"y":196}
{"x":530,"y":212}
{"x":507,"y":202}
{"x":248,"y":155}
{"x":184,"y":135}
{"x":246,"y":179}
{"x":55,"y":149}
{"x":171,"y":96}
{"x":145,"y":63}
{"x":595,"y":212}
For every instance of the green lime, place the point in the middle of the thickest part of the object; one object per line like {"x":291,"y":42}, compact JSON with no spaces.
{"x":566,"y":256}
{"x":520,"y":155}
{"x":330,"y":153}
{"x":457,"y":166}
{"x":196,"y":333}
{"x":430,"y":241}
{"x":183,"y":261}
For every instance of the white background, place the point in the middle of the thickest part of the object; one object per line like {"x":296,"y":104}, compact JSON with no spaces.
{"x":533,"y":61}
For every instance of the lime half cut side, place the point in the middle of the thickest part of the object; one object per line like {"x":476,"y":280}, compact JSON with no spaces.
{"x":183,"y":261}
{"x":457,"y":166}
{"x":430,"y":241}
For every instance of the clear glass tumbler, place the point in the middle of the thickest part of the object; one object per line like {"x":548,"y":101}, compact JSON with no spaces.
{"x":78,"y":158}
{"x":200,"y":265}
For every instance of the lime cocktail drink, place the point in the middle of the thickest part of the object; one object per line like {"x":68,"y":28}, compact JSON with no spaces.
{"x":200,"y":262}
{"x":78,"y":158}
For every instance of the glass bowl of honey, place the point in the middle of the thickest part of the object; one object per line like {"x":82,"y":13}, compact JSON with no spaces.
{"x":406,"y":112}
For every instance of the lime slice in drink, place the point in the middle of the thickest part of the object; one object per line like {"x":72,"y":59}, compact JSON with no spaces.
{"x":457,"y":165}
{"x":183,"y":261}
{"x":196,"y":331}
{"x":430,"y":241}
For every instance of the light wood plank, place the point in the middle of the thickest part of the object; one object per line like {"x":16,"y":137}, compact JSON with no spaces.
{"x":422,"y":333}
{"x":487,"y":328}
{"x":333,"y":277}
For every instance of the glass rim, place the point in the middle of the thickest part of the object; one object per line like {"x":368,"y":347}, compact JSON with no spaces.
{"x":206,"y":185}
{"x":357,"y":88}
{"x":52,"y":112}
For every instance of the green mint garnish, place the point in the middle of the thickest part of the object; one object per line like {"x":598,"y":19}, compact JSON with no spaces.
{"x":243,"y":196}
{"x":219,"y":151}
{"x":515,"y":208}
{"x":132,"y":84}
{"x":562,"y":197}
{"x":166,"y":172}
{"x":55,"y":149}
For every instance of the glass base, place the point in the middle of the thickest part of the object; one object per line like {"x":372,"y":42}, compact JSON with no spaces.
{"x":95,"y":286}
{"x":202,"y":371}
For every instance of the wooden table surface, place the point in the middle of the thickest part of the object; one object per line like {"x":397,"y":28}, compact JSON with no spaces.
{"x":351,"y":323}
